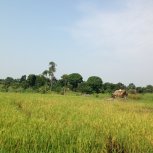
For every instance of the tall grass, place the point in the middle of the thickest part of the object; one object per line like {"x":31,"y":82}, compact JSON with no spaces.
{"x":35,"y":123}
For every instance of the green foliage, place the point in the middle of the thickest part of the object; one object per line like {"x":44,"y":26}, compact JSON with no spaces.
{"x":11,"y":89}
{"x":84,"y":87}
{"x":3,"y":88}
{"x":131,"y":86}
{"x":57,"y":87}
{"x":132,"y":91}
{"x":23,"y":78}
{"x":24,"y":85}
{"x":23,"y":82}
{"x":9,"y":80}
{"x":20,"y":89}
{"x":73,"y":82}
{"x":95,"y":83}
{"x":51,"y":70}
{"x":74,"y":79}
{"x":43,"y":89}
{"x":109,"y":87}
{"x":140,"y":89}
{"x":30,"y":90}
{"x":64,"y":80}
{"x":31,"y":80}
{"x":120,"y":86}
{"x":149,"y":89}
{"x":40,"y":81}
{"x":64,"y":83}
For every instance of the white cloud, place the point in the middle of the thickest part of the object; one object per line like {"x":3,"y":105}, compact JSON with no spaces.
{"x":126,"y":35}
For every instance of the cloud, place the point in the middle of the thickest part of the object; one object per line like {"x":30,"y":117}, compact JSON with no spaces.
{"x":124,"y":34}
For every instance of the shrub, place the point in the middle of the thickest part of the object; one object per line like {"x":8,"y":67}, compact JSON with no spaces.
{"x":132,"y":91}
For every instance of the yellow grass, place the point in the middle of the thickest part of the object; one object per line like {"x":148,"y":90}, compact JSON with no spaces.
{"x":66,"y":124}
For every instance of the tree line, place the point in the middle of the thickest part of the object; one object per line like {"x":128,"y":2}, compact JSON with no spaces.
{"x":47,"y":82}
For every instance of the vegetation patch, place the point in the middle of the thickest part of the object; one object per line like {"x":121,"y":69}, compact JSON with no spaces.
{"x":74,"y":123}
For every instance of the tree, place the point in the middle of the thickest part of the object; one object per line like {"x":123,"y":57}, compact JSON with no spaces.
{"x":149,"y":89}
{"x":31,"y":80}
{"x":140,"y":89}
{"x":74,"y":79}
{"x":108,"y":87}
{"x":23,"y":78}
{"x":95,"y":83}
{"x":40,"y":81}
{"x":64,"y":82}
{"x":131,"y":86}
{"x":45,"y":73}
{"x":119,"y":86}
{"x":84,"y":87}
{"x":23,"y":82}
{"x":50,"y":72}
{"x":52,"y":69}
{"x":9,"y":81}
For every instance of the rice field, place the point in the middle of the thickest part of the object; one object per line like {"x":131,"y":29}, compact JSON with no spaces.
{"x":51,"y":123}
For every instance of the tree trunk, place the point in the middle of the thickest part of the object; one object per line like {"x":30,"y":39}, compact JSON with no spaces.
{"x":51,"y":83}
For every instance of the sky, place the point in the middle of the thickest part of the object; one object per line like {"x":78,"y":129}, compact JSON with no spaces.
{"x":111,"y":39}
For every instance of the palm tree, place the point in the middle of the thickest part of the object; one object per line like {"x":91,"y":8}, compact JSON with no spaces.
{"x":45,"y":73}
{"x":50,"y":72}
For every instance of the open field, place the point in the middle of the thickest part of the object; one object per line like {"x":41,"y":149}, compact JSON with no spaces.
{"x":35,"y":123}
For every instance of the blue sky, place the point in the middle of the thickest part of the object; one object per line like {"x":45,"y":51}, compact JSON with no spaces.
{"x":111,"y":39}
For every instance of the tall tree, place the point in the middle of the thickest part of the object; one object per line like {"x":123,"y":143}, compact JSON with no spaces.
{"x":31,"y":80}
{"x":9,"y":81}
{"x":74,"y":79}
{"x":23,"y":82}
{"x":45,"y":73}
{"x":95,"y":83}
{"x":50,"y":72}
{"x":64,"y":81}
{"x":40,"y":81}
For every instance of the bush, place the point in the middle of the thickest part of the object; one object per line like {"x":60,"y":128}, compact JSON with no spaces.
{"x":3,"y":88}
{"x":132,"y":91}
{"x":42,"y":89}
{"x":20,"y":89}
{"x":29,"y":90}
{"x":11,"y":89}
